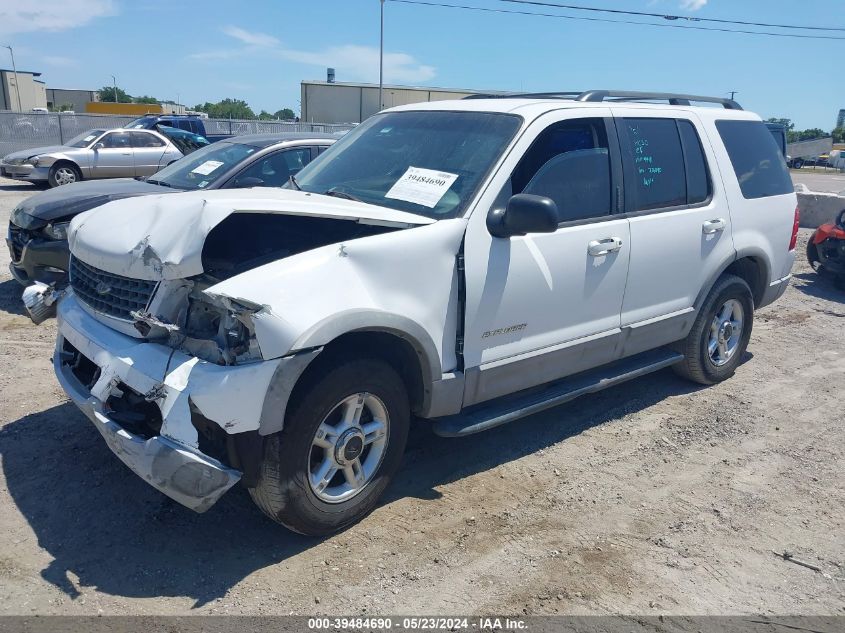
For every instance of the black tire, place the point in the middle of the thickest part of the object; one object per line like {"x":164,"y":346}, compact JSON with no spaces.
{"x":61,"y":172}
{"x":697,"y":365}
{"x":813,"y":254}
{"x":284,"y":492}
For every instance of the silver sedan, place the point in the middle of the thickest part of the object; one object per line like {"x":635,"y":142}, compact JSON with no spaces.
{"x":94,"y":154}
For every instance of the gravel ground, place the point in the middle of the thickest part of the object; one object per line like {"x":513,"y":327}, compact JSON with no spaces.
{"x":657,"y":497}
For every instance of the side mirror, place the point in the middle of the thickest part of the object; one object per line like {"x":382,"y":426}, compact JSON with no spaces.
{"x":249,"y":181}
{"x":525,"y":213}
{"x":97,"y":146}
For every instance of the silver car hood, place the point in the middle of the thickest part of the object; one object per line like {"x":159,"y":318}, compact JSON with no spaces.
{"x":38,"y":151}
{"x":161,"y":237}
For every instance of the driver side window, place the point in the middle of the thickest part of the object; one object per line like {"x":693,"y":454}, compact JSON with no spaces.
{"x":569,"y":163}
{"x":275,"y":170}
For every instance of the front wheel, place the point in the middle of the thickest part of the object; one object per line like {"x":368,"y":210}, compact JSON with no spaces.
{"x":63,"y":174}
{"x":719,"y":336}
{"x":342,"y":443}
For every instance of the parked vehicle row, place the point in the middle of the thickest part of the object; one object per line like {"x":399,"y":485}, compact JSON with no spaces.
{"x":463,"y":262}
{"x":38,"y":228}
{"x":94,"y":154}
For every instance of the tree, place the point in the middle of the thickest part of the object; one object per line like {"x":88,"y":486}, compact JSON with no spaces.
{"x":107,"y":94}
{"x":838,"y":135}
{"x":145,"y":99}
{"x":787,"y":123}
{"x":227,"y":109}
{"x":265,"y":116}
{"x":806,"y":135}
{"x":286,"y":114}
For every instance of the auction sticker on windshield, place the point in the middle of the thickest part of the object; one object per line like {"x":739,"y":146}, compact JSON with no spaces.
{"x":422,"y":186}
{"x":207,"y":167}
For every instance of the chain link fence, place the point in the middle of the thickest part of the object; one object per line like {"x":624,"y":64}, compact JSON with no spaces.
{"x":26,"y":130}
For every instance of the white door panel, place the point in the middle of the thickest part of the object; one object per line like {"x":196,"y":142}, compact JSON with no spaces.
{"x":549,"y":288}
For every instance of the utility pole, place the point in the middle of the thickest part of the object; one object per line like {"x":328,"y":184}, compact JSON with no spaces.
{"x":114,"y":86}
{"x":17,"y":81}
{"x":381,"y":57}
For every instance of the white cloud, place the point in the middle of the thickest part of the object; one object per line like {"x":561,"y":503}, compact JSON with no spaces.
{"x":352,"y":62}
{"x":59,"y":61}
{"x":692,"y":5}
{"x":50,"y":15}
{"x":250,"y":38}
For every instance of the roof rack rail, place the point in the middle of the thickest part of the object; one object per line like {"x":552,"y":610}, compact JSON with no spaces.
{"x":672,"y":97}
{"x":615,"y":95}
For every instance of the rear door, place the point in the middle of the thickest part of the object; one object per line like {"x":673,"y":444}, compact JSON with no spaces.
{"x":679,"y":219}
{"x":148,"y":149}
{"x":115,"y":158}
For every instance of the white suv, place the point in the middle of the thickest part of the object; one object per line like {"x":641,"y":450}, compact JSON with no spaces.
{"x":468,"y":262}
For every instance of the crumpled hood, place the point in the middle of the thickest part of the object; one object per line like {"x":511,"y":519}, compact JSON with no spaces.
{"x":70,"y":200}
{"x":37,"y":151}
{"x":161,"y":237}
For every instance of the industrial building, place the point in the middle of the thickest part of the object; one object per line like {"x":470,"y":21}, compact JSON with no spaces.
{"x":344,"y":102}
{"x":68,"y":98}
{"x":21,"y":90}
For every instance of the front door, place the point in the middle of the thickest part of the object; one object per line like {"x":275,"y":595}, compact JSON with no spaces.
{"x":680,"y":223}
{"x":115,"y":158}
{"x":543,"y":306}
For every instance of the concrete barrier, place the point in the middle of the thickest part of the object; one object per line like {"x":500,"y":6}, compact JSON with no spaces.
{"x":819,"y":208}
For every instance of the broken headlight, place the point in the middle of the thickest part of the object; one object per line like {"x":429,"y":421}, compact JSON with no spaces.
{"x":219,"y":335}
{"x":57,"y":231}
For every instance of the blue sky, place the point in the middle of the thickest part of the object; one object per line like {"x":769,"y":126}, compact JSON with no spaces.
{"x":260,"y":50}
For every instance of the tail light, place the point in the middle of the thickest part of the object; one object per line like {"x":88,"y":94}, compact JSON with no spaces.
{"x":794,"y":237}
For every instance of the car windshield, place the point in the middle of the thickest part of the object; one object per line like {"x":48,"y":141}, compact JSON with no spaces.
{"x":427,"y":162}
{"x":203,"y":167}
{"x":139,"y":124}
{"x":185,"y":142}
{"x":84,"y":139}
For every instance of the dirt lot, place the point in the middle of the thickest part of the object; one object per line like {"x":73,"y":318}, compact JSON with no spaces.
{"x":655,"y":497}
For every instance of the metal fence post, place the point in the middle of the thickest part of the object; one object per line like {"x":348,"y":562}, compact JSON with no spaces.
{"x":61,"y":130}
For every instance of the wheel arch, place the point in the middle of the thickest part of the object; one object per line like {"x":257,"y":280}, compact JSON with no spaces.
{"x":67,"y":161}
{"x":752,"y":266}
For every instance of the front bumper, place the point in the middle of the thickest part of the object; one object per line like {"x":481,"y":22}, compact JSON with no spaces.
{"x":177,"y":384}
{"x":37,"y":259}
{"x":24,"y":172}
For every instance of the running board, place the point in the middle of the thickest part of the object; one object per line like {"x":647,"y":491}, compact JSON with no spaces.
{"x":510,"y":408}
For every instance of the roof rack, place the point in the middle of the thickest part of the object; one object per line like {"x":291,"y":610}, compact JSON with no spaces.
{"x":616,"y":95}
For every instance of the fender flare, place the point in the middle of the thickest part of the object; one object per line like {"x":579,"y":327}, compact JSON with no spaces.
{"x":754,"y":252}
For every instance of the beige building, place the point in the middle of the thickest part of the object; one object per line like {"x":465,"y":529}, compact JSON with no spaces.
{"x":32,"y":92}
{"x":343,"y":102}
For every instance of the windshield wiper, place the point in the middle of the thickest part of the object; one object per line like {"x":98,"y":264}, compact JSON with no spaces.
{"x":341,"y":194}
{"x":158,"y":182}
{"x":295,"y":184}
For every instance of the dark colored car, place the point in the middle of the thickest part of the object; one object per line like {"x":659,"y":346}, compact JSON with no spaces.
{"x":37,"y":236}
{"x":187,"y":122}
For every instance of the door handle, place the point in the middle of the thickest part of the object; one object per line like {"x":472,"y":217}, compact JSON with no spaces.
{"x":713,"y":226}
{"x":597,"y":248}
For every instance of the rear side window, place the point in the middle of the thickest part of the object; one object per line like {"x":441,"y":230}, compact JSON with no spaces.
{"x":756,"y":159}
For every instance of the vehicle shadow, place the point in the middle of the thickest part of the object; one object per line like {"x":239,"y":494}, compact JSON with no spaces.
{"x":821,"y":286}
{"x":106,"y":528}
{"x":10,"y":297}
{"x":20,"y":186}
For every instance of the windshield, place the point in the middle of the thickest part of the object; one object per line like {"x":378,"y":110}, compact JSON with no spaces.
{"x":185,"y":142}
{"x":139,"y":124}
{"x":84,"y":139}
{"x":429,"y":163}
{"x":204,"y":166}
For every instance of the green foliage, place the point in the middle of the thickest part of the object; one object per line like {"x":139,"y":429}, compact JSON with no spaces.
{"x":787,"y":123}
{"x":286,"y":114}
{"x":145,"y":99}
{"x":265,"y":116}
{"x":107,"y":94}
{"x":839,"y":135}
{"x":227,"y":109}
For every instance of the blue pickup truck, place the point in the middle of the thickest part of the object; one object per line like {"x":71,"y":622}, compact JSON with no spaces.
{"x":188,"y":122}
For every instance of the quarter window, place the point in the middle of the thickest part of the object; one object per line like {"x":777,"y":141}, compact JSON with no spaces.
{"x":698,"y":177}
{"x":756,"y":159}
{"x":569,"y":163}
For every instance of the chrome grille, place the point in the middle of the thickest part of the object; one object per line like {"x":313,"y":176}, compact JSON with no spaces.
{"x":108,"y":293}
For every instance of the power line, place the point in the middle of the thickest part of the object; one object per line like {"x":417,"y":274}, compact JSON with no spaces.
{"x":688,"y":18}
{"x":632,"y":22}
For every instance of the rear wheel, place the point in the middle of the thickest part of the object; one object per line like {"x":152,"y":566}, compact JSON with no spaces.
{"x":63,"y":174}
{"x":813,"y":254}
{"x":719,"y":336}
{"x":342,"y":443}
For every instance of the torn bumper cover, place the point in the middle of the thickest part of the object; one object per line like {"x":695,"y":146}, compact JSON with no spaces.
{"x":96,"y":364}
